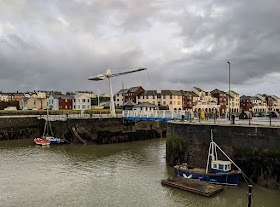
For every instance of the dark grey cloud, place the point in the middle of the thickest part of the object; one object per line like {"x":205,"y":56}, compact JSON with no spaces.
{"x":56,"y":45}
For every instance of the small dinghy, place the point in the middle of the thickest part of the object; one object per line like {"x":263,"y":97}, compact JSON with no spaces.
{"x":41,"y":141}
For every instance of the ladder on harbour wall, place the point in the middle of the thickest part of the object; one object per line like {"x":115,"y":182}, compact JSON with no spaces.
{"x":78,"y":136}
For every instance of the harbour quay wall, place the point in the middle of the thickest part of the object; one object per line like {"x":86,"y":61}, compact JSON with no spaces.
{"x":99,"y":131}
{"x":255,"y":149}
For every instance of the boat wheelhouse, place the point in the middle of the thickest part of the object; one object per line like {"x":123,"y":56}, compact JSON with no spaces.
{"x":221,"y":171}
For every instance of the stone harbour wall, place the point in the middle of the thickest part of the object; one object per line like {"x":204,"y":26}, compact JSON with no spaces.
{"x":256,"y":150}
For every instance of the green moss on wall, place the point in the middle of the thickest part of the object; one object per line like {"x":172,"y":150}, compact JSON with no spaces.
{"x":254,"y":152}
{"x":175,"y":143}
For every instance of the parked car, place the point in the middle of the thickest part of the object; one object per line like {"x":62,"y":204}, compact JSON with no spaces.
{"x":245,"y":115}
{"x":274,"y":114}
{"x":11,"y":108}
{"x":260,"y":115}
{"x":34,"y":109}
{"x":25,"y":109}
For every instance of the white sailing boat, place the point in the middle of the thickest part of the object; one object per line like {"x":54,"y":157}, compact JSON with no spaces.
{"x":48,"y":133}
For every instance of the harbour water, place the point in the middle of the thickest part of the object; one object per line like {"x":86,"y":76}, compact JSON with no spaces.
{"x":126,"y":174}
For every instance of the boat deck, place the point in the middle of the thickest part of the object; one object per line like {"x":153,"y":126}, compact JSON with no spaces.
{"x":192,"y":185}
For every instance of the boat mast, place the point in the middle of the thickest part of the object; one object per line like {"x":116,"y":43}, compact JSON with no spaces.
{"x":49,"y":124}
{"x":212,"y":152}
{"x":44,"y":133}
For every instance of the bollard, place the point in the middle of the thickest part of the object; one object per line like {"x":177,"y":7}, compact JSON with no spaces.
{"x":233,"y":118}
{"x":249,"y":195}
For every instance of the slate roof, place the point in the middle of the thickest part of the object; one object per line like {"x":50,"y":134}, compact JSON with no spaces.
{"x":129,"y":103}
{"x":171,"y":92}
{"x":62,"y":96}
{"x":190,"y":92}
{"x":148,"y":93}
{"x":133,"y":89}
{"x":199,"y":89}
{"x":122,"y":91}
{"x":25,"y":99}
{"x":216,"y":91}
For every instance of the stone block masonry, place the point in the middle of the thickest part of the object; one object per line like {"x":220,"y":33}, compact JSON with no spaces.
{"x":99,"y":131}
{"x":256,"y":150}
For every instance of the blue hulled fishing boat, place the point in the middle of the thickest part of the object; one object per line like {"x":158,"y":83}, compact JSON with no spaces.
{"x":220,"y":172}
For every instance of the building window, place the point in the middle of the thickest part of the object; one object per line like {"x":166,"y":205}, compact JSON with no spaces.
{"x":170,"y":96}
{"x":74,"y":100}
{"x":84,"y":100}
{"x":153,"y":102}
{"x":153,"y":97}
{"x":78,"y":106}
{"x":74,"y":106}
{"x":163,"y":96}
{"x":83,"y":107}
{"x":178,"y":102}
{"x":118,"y":95}
{"x":66,"y":107}
{"x":164,"y":102}
{"x":147,"y":97}
{"x":171,"y":102}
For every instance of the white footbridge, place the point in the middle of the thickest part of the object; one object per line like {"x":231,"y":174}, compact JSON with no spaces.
{"x":160,"y":115}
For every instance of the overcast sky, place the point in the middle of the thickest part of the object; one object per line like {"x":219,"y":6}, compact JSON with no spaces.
{"x":56,"y":45}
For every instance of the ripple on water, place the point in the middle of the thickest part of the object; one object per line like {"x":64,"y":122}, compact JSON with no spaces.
{"x":126,"y":174}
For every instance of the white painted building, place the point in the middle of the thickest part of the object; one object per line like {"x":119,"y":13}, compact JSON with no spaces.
{"x":81,"y":102}
{"x":53,"y":102}
{"x":148,"y":96}
{"x":119,"y":97}
{"x":172,"y":98}
{"x":5,"y":97}
{"x":90,"y":94}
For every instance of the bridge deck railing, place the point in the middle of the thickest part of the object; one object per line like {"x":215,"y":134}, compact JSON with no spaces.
{"x":153,"y":114}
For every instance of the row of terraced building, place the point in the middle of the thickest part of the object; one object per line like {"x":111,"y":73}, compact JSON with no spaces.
{"x":197,"y":99}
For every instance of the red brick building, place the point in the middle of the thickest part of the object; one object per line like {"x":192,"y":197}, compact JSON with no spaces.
{"x":60,"y":102}
{"x":222,"y":98}
{"x":65,"y":102}
{"x":188,"y":99}
{"x":17,"y":96}
{"x":246,"y":103}
{"x":132,"y":93}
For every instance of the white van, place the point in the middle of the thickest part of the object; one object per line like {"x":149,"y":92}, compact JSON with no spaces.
{"x":11,"y":108}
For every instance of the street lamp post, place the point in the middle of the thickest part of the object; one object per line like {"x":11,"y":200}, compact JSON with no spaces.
{"x":229,"y":89}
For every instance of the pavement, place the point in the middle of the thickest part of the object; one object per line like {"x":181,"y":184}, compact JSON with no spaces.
{"x":255,"y":121}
